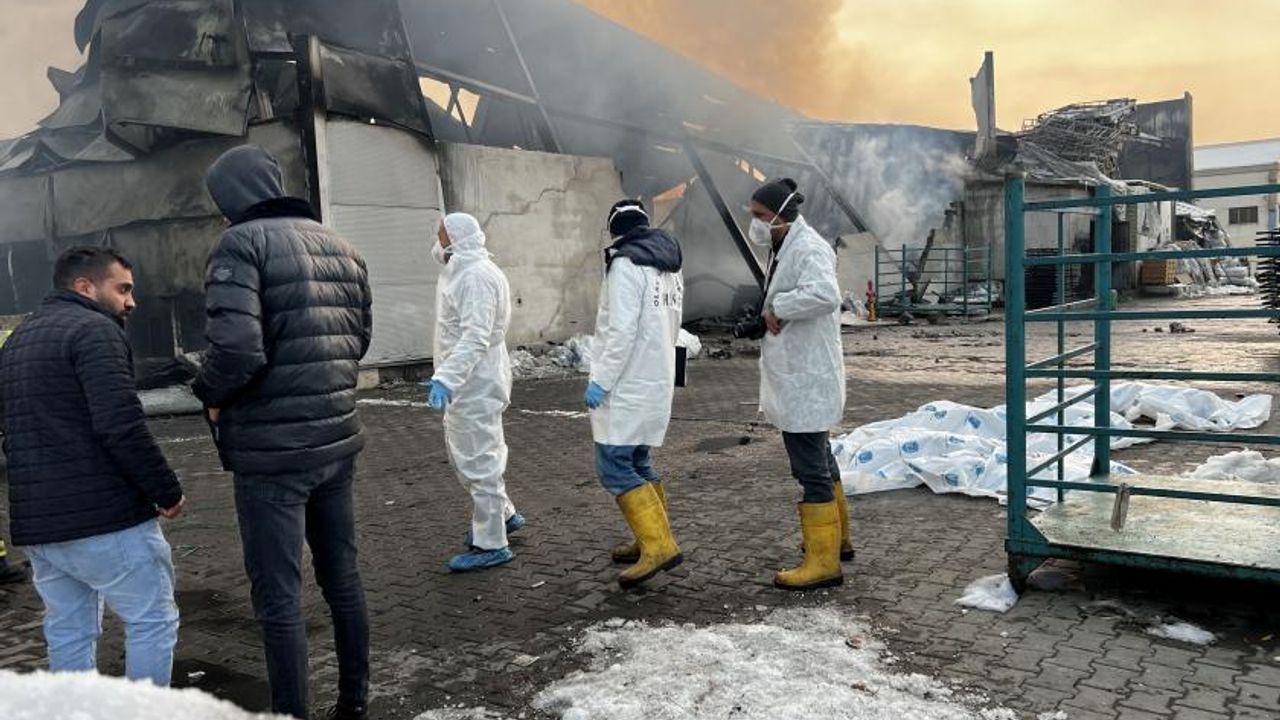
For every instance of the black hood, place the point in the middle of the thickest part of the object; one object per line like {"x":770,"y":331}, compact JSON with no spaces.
{"x":242,"y":178}
{"x":647,"y":247}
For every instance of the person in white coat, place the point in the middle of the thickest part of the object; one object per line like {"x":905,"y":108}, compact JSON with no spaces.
{"x":633,"y":372}
{"x":802,"y":383}
{"x":472,"y":384}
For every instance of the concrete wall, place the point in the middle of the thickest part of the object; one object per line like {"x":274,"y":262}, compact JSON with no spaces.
{"x":1244,"y":235}
{"x":543,"y":215}
{"x":984,"y":219}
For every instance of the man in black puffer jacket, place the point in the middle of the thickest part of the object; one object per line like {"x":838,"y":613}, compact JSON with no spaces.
{"x":86,"y":478}
{"x":289,"y":318}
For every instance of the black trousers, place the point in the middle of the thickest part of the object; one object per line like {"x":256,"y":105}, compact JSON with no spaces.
{"x":277,"y":513}
{"x":813,"y":464}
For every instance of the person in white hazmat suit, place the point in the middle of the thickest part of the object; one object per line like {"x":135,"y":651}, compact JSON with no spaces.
{"x":802,"y":383}
{"x":633,"y":373}
{"x":472,"y":384}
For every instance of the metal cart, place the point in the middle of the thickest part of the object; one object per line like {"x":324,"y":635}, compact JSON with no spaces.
{"x":1217,"y":528}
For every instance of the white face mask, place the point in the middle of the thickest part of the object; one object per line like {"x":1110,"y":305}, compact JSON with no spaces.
{"x":440,"y":253}
{"x":761,"y":232}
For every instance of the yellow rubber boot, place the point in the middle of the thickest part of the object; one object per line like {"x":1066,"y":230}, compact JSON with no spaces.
{"x":629,"y":553}
{"x":647,"y":517}
{"x":820,"y":523}
{"x":842,"y":505}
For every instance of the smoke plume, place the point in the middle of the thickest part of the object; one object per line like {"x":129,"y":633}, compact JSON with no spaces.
{"x":784,"y":50}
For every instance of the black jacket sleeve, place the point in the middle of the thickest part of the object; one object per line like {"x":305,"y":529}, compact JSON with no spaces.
{"x":104,"y":367}
{"x":366,"y":335}
{"x":233,"y":326}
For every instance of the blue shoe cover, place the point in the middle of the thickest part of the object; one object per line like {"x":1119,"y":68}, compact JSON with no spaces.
{"x":480,"y":560}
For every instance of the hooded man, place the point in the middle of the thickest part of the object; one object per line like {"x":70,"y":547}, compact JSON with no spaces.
{"x":633,"y":372}
{"x":802,"y":385}
{"x":289,"y":318}
{"x":472,"y":385}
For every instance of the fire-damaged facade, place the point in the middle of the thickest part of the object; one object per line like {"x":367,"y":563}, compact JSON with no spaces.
{"x":533,"y":116}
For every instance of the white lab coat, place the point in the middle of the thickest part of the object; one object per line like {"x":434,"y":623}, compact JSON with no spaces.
{"x":633,"y":356}
{"x":802,"y":385}
{"x":473,"y":312}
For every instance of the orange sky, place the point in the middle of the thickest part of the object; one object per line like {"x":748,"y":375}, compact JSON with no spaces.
{"x":902,"y":61}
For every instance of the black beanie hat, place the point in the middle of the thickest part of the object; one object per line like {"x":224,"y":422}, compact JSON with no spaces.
{"x":773,"y":194}
{"x":625,"y":216}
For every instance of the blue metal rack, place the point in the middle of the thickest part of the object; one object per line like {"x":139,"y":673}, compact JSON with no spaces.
{"x":1216,"y":528}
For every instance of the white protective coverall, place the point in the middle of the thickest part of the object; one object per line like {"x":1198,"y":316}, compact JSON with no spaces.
{"x":633,"y":356}
{"x":802,"y":383}
{"x":473,"y":312}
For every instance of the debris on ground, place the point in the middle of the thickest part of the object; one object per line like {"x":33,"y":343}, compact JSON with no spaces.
{"x":1177,"y":328}
{"x":747,"y":672}
{"x":573,"y":357}
{"x":173,"y":400}
{"x":994,"y":593}
{"x":1183,"y":632}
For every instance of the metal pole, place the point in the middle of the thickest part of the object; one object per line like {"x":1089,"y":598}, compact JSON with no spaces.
{"x":1015,"y":355}
{"x":1102,"y":335}
{"x":1060,"y":297}
{"x":726,"y":216}
{"x":902,"y":297}
{"x":310,"y":90}
{"x":551,"y":138}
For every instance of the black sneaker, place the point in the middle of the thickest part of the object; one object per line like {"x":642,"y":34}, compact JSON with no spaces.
{"x":344,"y":712}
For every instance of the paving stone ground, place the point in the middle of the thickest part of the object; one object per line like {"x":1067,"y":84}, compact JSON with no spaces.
{"x":494,"y":639}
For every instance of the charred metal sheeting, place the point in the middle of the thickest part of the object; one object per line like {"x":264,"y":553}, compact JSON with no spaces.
{"x":354,"y":82}
{"x":161,"y":72}
{"x":1164,"y":152}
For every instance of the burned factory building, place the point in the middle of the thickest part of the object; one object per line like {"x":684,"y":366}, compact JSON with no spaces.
{"x":535,"y":117}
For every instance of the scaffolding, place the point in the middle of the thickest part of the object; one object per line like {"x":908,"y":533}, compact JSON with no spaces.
{"x":1086,"y":132}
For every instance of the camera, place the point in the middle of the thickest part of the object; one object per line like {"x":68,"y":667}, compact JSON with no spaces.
{"x":753,"y":328}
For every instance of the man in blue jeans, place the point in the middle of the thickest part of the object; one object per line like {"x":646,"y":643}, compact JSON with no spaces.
{"x":289,"y":317}
{"x":86,"y":478}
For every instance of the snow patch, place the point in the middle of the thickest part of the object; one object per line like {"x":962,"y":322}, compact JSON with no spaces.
{"x":746,"y":672}
{"x":1183,"y":632}
{"x":461,"y":714}
{"x":993,"y":592}
{"x":88,"y":696}
{"x":1248,"y":465}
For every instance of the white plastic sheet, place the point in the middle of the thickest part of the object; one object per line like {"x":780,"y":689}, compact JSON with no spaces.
{"x":956,"y":448}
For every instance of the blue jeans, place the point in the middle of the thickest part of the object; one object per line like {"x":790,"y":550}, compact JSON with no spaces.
{"x":277,"y":513}
{"x":623,"y":468}
{"x":131,"y":571}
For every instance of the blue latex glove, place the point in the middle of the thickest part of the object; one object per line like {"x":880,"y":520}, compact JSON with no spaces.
{"x":439,"y":396}
{"x":595,"y":396}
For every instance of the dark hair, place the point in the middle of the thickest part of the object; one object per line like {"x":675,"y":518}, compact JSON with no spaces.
{"x":89,"y":262}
